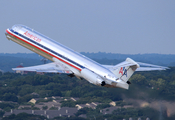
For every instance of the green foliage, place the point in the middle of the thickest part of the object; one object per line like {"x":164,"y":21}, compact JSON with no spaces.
{"x":24,"y":99}
{"x":68,"y":103}
{"x":102,"y":106}
{"x":55,"y":92}
{"x":25,"y":89}
{"x":158,"y":84}
{"x":138,"y":79}
{"x":8,"y":106}
{"x":10,"y":97}
{"x":7,"y":109}
{"x":52,"y":85}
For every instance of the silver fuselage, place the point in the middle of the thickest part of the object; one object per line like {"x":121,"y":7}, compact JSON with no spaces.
{"x":55,"y":51}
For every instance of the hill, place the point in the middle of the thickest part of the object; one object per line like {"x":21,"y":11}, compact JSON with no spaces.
{"x":159,"y":59}
{"x":8,"y":61}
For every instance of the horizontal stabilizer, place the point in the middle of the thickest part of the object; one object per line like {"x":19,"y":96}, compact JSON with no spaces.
{"x":150,"y":67}
{"x":143,"y":66}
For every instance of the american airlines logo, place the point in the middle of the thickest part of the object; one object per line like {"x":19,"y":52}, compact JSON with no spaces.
{"x":123,"y":71}
{"x":32,"y":36}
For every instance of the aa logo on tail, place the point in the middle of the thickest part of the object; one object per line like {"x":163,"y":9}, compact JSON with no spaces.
{"x":123,"y":71}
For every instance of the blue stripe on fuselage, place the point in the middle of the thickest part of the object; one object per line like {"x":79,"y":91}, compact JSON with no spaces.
{"x":46,"y":48}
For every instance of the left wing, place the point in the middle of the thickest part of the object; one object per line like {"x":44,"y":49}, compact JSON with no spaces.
{"x":48,"y":68}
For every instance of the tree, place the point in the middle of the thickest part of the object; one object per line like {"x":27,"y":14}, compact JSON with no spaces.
{"x":68,"y":103}
{"x":25,"y":98}
{"x":138,"y":79}
{"x":10,"y":97}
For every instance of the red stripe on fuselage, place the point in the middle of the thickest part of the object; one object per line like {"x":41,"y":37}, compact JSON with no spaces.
{"x":42,"y":50}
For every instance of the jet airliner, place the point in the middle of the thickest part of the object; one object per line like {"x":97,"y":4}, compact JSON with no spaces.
{"x":66,"y":60}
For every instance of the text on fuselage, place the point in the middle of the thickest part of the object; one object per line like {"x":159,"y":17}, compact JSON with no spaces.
{"x":32,"y":36}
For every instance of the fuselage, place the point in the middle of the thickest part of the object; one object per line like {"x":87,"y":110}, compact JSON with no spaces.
{"x":55,"y":51}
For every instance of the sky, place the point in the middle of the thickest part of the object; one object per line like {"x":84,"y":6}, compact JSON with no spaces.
{"x":111,"y":26}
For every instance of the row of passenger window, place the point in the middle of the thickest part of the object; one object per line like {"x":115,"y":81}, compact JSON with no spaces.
{"x":58,"y":44}
{"x":48,"y":49}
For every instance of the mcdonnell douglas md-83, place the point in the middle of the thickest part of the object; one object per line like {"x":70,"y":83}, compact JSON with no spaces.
{"x":66,"y":60}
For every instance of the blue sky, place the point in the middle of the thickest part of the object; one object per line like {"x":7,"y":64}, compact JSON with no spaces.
{"x":116,"y":26}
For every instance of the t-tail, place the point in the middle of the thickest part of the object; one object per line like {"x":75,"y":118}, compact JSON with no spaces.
{"x":124,"y":71}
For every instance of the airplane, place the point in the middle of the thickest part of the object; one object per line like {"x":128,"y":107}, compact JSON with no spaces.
{"x":72,"y":63}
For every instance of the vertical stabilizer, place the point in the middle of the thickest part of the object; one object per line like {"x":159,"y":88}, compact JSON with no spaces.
{"x":125,"y":71}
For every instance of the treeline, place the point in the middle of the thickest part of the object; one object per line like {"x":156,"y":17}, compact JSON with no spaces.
{"x":13,"y":85}
{"x":160,"y":84}
{"x":159,"y":59}
{"x":9,"y":61}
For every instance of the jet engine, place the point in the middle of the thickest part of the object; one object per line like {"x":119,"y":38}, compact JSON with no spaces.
{"x":92,"y":77}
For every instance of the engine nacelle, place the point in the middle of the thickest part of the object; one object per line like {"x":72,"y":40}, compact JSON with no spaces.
{"x":92,"y":77}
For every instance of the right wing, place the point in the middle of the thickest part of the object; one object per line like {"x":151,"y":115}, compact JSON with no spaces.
{"x":47,"y":68}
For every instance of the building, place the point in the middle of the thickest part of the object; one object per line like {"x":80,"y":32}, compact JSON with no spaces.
{"x":64,"y":111}
{"x":19,"y":71}
{"x":92,"y":105}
